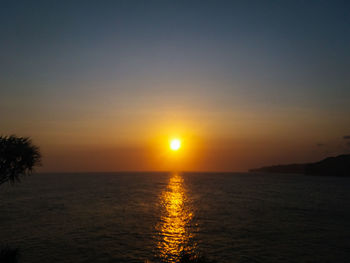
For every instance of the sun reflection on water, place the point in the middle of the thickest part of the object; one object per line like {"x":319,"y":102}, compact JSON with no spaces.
{"x":174,"y":228}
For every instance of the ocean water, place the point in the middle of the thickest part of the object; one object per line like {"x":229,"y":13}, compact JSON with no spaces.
{"x":133,"y":217}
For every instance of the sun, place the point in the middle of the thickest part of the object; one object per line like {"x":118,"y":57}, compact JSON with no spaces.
{"x":175,"y":144}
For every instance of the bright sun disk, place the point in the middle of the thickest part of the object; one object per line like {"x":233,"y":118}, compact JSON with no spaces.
{"x":175,"y":144}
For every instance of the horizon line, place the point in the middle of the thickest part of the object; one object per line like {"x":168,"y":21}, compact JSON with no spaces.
{"x":131,"y":171}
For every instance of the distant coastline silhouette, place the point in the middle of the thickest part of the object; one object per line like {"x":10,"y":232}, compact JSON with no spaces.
{"x":331,"y":166}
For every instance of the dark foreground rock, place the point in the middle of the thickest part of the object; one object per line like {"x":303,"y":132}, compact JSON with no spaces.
{"x":9,"y":255}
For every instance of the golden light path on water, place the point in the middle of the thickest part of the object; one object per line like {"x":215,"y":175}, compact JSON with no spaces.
{"x":174,"y":231}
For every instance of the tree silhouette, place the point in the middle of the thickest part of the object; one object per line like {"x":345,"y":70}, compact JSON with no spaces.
{"x":18,"y":157}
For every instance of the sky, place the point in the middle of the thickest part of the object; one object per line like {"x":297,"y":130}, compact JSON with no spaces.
{"x":104,"y":85}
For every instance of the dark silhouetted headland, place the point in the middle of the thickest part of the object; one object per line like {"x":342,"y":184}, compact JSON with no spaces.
{"x":331,"y":166}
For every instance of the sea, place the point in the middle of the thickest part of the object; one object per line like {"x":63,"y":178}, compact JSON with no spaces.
{"x":157,"y":217}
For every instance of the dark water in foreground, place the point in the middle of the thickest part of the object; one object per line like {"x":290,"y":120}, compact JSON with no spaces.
{"x":131,"y":217}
